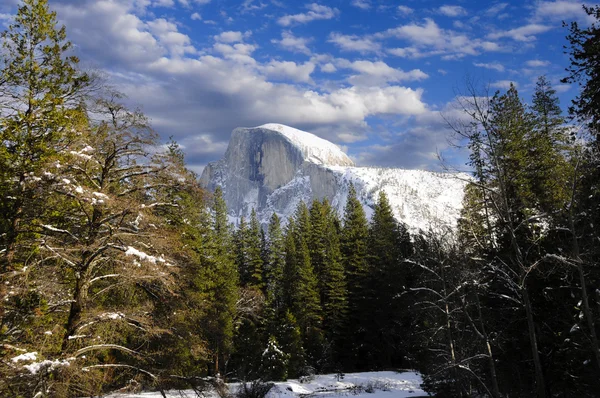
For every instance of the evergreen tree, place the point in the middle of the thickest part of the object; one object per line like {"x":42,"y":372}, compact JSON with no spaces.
{"x":275,"y":265}
{"x":316,"y":243}
{"x":240,"y":242}
{"x":273,"y":362}
{"x":354,"y":237}
{"x":290,"y":339}
{"x":585,"y":70}
{"x":41,"y":87}
{"x":389,"y":244}
{"x":334,"y":289}
{"x":254,"y":252}
{"x":219,"y":278}
{"x":548,"y":169}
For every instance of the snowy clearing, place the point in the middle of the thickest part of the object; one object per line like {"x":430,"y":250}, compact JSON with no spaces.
{"x":368,"y":384}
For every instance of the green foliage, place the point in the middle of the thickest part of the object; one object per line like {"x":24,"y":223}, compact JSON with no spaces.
{"x":584,"y":69}
{"x":42,"y":87}
{"x":274,"y":362}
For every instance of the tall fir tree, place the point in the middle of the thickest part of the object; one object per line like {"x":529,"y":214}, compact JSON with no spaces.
{"x":254,"y":249}
{"x":354,"y":240}
{"x":389,"y":245}
{"x":334,"y":289}
{"x":41,"y":88}
{"x":221,"y":279}
{"x":275,"y":265}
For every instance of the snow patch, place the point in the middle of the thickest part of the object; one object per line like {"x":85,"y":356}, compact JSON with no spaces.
{"x":315,"y":150}
{"x":30,"y":356}
{"x":132,"y":251}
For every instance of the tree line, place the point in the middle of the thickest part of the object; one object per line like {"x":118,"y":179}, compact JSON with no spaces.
{"x":119,"y":272}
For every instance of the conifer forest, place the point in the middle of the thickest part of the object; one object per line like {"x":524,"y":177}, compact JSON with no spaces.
{"x":118,"y":269}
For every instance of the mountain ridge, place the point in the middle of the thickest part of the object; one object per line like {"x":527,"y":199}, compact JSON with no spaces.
{"x":273,"y":167}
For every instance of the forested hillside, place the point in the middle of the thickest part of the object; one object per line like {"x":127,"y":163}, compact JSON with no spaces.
{"x":119,"y":272}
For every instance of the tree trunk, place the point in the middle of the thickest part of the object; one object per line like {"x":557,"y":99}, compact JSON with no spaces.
{"x":13,"y":233}
{"x":492,"y":365}
{"x":539,"y":375}
{"x":587,"y":312}
{"x":77,"y":307}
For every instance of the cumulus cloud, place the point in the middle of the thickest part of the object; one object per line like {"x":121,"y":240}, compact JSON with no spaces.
{"x":362,"y":4}
{"x":417,"y":146}
{"x":328,"y":68}
{"x":288,"y":70}
{"x":354,"y":43}
{"x":503,"y":84}
{"x":229,"y":37}
{"x":524,"y":33}
{"x":196,"y":17}
{"x":404,"y":10}
{"x":292,"y":43}
{"x":428,"y":39}
{"x":452,"y":11}
{"x":492,"y":65}
{"x":496,"y":9}
{"x":315,"y":12}
{"x":561,"y":10}
{"x":378,"y":73}
{"x":537,"y":63}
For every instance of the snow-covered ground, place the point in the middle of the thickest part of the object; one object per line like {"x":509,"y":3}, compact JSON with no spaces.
{"x":368,"y":384}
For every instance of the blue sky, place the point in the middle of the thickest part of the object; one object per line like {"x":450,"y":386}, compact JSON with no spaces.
{"x":372,"y":76}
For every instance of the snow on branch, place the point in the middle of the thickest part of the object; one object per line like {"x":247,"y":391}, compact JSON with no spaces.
{"x":106,"y":346}
{"x":118,"y":365}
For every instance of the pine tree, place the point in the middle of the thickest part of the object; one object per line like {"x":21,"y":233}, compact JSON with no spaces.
{"x":275,"y":265}
{"x":254,"y":252}
{"x":240,"y":239}
{"x":274,"y":362}
{"x":548,"y":143}
{"x":290,"y":339}
{"x":334,"y":289}
{"x":316,"y":243}
{"x":354,"y":238}
{"x":388,"y":244}
{"x":220,"y":281}
{"x":42,"y":88}
{"x":585,"y":70}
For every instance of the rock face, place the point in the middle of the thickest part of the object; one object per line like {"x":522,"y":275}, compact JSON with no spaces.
{"x":273,"y":167}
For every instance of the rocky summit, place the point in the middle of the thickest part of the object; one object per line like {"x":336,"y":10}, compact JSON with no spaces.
{"x":273,"y":167}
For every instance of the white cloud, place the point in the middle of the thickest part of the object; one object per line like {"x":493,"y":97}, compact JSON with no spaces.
{"x":196,"y":17}
{"x":238,"y":52}
{"x":496,"y":9}
{"x":315,"y":12}
{"x":428,"y":39}
{"x":229,"y":37}
{"x":524,"y":33}
{"x":328,"y":68}
{"x":292,"y":43}
{"x":452,"y":11}
{"x":561,"y":10}
{"x":561,"y":88}
{"x":493,"y":65}
{"x":536,"y":63}
{"x":354,"y":43}
{"x":249,"y":6}
{"x":288,"y":70}
{"x":378,"y":73}
{"x":200,"y":94}
{"x":503,"y":84}
{"x":404,"y":10}
{"x":362,"y":4}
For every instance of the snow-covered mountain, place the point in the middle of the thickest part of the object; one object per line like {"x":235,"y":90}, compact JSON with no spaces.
{"x":273,"y":167}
